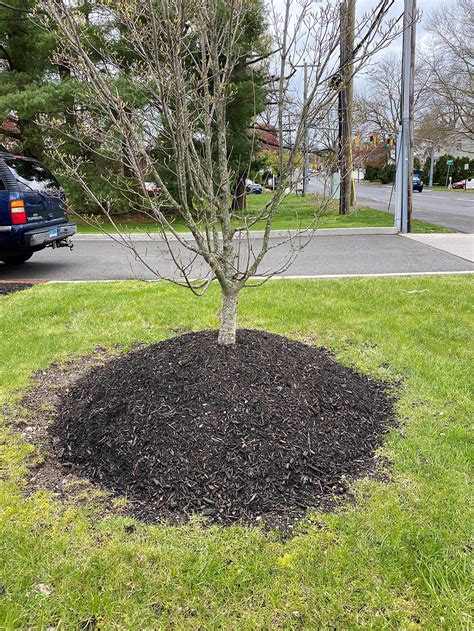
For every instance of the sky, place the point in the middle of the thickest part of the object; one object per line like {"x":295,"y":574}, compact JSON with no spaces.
{"x":364,"y":6}
{"x":423,"y":5}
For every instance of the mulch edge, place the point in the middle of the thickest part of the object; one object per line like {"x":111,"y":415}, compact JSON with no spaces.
{"x":31,"y":418}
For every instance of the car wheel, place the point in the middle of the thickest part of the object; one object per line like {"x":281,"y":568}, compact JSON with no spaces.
{"x":16,"y":259}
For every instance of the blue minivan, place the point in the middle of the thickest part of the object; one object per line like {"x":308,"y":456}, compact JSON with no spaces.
{"x":32,"y":209}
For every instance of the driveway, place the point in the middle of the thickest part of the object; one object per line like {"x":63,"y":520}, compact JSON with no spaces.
{"x":96,"y":258}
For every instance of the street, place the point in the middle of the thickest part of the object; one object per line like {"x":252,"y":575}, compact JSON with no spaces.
{"x":100,"y":258}
{"x":452,"y":209}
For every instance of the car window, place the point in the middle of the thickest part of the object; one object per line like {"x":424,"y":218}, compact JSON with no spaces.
{"x":31,"y":175}
{"x":2,"y":186}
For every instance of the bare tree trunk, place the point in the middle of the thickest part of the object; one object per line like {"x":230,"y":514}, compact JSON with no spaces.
{"x":239,"y":201}
{"x":228,"y":327}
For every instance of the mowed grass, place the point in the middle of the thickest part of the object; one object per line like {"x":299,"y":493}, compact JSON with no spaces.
{"x":397,"y":558}
{"x":440,"y":187}
{"x":295,"y":212}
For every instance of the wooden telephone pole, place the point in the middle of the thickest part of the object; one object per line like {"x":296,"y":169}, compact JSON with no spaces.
{"x":347,"y":28}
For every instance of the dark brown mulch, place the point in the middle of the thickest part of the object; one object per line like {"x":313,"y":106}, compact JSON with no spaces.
{"x":9,"y":288}
{"x":262,"y":430}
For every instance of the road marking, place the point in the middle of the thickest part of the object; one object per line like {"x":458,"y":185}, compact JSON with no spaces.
{"x":293,"y":277}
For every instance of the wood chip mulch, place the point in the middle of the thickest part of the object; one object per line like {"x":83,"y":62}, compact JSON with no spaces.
{"x":263,"y":430}
{"x":9,"y":288}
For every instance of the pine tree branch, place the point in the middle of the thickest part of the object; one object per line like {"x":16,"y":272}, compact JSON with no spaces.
{"x":10,"y":7}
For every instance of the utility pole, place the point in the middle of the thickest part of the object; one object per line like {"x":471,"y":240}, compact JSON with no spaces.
{"x":404,"y":181}
{"x":346,"y":47}
{"x":306,"y":143}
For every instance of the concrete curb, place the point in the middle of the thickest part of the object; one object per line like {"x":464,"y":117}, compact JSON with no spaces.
{"x":256,"y":234}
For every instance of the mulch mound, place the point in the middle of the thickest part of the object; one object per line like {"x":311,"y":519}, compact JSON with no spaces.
{"x":262,"y":430}
{"x":9,"y":288}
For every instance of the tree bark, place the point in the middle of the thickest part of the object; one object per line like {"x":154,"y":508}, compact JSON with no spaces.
{"x":345,"y":104}
{"x":228,"y":325}
{"x":239,"y":201}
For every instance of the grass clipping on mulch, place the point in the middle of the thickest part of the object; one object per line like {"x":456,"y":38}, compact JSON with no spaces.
{"x":262,"y":430}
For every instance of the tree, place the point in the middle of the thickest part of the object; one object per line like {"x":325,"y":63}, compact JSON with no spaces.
{"x":247,"y":79}
{"x":27,"y":78}
{"x":178,"y":98}
{"x":32,"y":86}
{"x":457,"y":171}
{"x":450,"y":62}
{"x":377,"y":103}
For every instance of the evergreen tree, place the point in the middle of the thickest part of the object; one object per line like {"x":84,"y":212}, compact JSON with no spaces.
{"x":30,"y":85}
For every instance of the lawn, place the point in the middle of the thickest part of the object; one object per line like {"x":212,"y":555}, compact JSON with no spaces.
{"x":435,"y":187}
{"x":294,"y":213}
{"x":440,"y":187}
{"x":397,"y":558}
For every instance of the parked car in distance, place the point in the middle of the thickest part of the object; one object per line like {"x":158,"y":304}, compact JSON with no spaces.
{"x":417,"y":183}
{"x":32,"y":210}
{"x":152,"y":187}
{"x":253,"y":187}
{"x":466,"y":184}
{"x":272,"y":182}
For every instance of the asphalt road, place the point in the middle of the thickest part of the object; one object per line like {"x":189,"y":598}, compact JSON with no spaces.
{"x":453,"y":209}
{"x":103,"y":259}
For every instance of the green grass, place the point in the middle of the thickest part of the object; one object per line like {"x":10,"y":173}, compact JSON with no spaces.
{"x":439,"y":187}
{"x":435,"y":187}
{"x":295,"y":212}
{"x":398,"y":558}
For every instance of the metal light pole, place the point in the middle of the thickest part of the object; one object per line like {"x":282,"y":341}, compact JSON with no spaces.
{"x":404,"y":183}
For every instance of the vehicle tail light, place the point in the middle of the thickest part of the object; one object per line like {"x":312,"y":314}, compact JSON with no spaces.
{"x":17,"y":211}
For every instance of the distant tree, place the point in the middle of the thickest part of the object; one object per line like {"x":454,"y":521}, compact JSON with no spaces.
{"x":457,"y":171}
{"x":377,"y":102}
{"x":449,"y":62}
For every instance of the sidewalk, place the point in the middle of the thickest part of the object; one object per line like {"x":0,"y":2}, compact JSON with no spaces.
{"x":461,"y":245}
